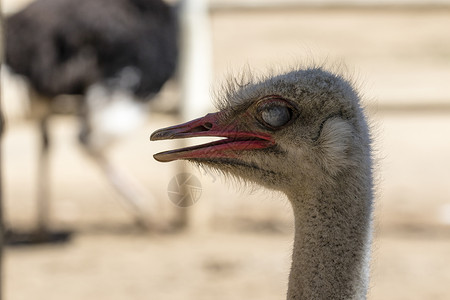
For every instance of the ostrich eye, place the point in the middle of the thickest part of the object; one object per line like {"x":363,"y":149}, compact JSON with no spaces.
{"x":276,"y":116}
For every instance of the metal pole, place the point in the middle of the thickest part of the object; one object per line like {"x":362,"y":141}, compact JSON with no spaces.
{"x":2,"y":236}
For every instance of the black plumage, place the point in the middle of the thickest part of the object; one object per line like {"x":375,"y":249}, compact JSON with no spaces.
{"x":65,"y":46}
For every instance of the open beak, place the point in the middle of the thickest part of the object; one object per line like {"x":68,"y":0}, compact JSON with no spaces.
{"x":234,"y":139}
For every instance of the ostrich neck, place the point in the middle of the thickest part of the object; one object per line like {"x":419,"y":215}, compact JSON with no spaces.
{"x":332,"y":242}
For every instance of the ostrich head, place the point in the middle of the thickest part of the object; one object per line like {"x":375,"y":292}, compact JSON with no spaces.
{"x":294,"y":129}
{"x":302,"y":133}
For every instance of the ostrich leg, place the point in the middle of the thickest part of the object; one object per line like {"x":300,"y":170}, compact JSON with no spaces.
{"x":43,"y":192}
{"x":131,"y":193}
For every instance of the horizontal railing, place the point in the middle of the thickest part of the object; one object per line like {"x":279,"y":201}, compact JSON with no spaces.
{"x":235,"y":6}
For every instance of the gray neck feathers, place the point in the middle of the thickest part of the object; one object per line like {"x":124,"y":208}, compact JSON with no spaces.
{"x":332,"y":238}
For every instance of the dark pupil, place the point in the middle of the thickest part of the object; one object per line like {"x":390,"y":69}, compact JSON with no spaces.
{"x":276,"y":116}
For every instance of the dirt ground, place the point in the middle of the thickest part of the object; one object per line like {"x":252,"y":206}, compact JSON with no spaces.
{"x":238,"y":243}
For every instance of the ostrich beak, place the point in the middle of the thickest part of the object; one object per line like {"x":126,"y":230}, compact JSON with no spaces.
{"x":234,"y":139}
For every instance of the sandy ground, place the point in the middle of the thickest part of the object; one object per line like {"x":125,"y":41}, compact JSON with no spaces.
{"x":238,"y":245}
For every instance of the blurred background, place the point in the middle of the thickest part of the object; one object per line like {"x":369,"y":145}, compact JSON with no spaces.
{"x":234,"y":243}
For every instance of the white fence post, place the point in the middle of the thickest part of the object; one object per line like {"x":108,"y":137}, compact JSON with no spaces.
{"x":195,"y":77}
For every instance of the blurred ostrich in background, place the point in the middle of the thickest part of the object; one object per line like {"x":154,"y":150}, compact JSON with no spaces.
{"x":113,"y":55}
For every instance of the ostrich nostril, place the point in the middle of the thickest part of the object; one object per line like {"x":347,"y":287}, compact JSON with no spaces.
{"x":201,"y":128}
